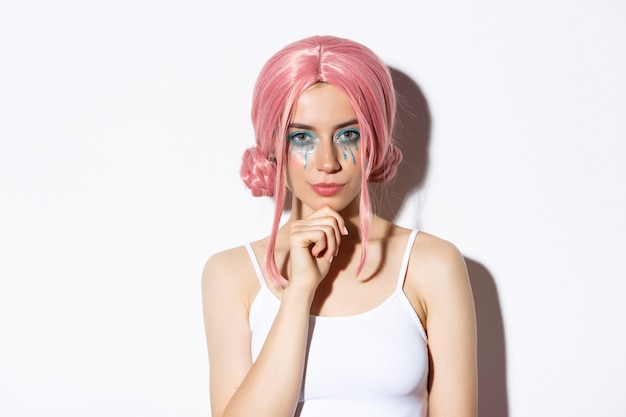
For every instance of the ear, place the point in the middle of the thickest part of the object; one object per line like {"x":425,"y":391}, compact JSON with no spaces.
{"x":271,"y":155}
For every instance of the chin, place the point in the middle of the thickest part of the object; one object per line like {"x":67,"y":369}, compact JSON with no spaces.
{"x":336,"y":203}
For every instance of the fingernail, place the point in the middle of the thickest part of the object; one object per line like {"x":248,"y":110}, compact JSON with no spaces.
{"x":345,"y":230}
{"x":337,"y":251}
{"x":331,"y":259}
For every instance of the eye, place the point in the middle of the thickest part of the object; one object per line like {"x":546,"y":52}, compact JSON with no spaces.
{"x":301,"y":138}
{"x":348,"y":135}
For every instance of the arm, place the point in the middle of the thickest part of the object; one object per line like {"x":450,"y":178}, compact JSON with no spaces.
{"x":270,"y":386}
{"x":451,"y":327}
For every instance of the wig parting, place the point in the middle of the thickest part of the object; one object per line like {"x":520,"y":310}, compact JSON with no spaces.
{"x":364,"y":79}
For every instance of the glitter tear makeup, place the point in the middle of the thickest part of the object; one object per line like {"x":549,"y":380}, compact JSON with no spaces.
{"x":347,"y":140}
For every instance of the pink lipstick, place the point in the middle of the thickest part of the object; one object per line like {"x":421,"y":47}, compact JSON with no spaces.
{"x":327,"y":189}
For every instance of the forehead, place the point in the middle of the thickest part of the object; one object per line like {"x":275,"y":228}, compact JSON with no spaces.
{"x":323,"y":105}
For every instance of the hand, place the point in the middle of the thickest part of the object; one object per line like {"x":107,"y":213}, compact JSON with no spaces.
{"x":314,"y":243}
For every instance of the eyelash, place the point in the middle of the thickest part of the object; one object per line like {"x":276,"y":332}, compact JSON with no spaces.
{"x":351,"y":131}
{"x":303,"y":138}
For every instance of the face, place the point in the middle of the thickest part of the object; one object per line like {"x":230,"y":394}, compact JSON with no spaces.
{"x":323,"y":157}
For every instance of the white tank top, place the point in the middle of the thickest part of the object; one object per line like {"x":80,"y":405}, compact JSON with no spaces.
{"x":372,"y":364}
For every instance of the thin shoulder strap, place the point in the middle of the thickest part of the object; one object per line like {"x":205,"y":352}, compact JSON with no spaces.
{"x":255,"y":264}
{"x":405,"y":258}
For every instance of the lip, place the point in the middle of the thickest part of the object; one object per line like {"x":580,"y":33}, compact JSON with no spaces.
{"x":326,"y":189}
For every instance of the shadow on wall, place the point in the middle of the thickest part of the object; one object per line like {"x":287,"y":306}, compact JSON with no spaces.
{"x":412,"y":133}
{"x":492,"y":386}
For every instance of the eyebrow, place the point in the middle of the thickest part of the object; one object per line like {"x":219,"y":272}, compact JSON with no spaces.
{"x":309,"y":127}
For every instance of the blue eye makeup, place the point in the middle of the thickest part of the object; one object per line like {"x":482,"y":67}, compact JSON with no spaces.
{"x":348,"y":135}
{"x":305,"y":143}
{"x":301,"y":138}
{"x":346,"y":139}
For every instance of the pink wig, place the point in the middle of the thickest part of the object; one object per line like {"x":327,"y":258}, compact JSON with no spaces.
{"x":364,"y":79}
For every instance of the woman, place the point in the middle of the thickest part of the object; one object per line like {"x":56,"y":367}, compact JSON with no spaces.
{"x":338,"y":312}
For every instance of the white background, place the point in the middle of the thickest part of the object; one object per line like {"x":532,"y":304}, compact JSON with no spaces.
{"x":121,"y":129}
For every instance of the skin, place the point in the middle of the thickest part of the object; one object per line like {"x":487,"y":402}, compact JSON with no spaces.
{"x":318,"y":251}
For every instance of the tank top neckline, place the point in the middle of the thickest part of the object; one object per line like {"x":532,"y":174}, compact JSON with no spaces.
{"x":396,"y":292}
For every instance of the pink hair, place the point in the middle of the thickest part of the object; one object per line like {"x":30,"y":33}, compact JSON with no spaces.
{"x":365,"y":80}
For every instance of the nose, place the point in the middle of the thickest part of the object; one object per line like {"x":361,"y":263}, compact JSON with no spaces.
{"x":326,"y":156}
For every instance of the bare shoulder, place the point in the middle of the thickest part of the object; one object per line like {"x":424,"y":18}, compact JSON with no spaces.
{"x":436,"y":255}
{"x":229,"y":274}
{"x":436,"y":270}
{"x":225,"y":261}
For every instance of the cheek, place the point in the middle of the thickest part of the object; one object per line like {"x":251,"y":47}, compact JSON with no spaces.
{"x":350,"y":152}
{"x":294,"y":169}
{"x":300,"y":155}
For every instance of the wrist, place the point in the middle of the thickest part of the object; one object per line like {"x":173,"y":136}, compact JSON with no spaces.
{"x":299,"y":292}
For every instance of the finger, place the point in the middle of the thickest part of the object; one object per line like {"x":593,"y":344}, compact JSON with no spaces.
{"x":319,"y":237}
{"x":327,"y":211}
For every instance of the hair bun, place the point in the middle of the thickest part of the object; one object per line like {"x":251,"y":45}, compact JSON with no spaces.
{"x":388,"y":167}
{"x":258,"y":172}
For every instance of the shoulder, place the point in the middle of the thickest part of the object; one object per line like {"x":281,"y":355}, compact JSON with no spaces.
{"x":224,"y":263}
{"x":440,"y":281}
{"x":436,"y":255}
{"x":229,"y":274}
{"x":437,"y":272}
{"x":427,"y":251}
